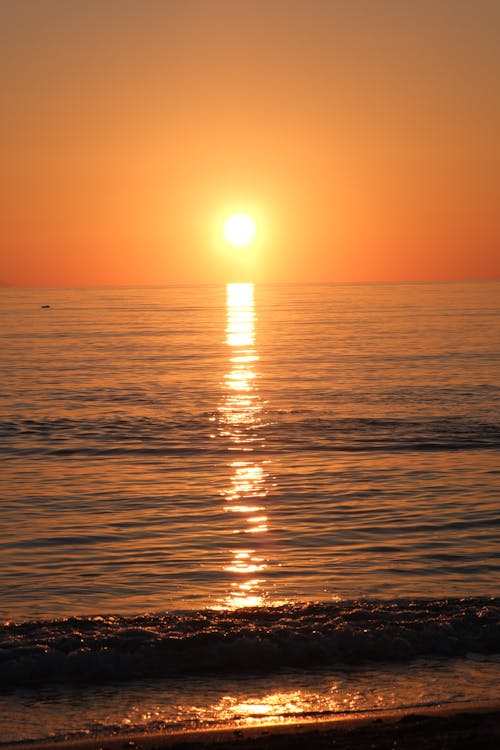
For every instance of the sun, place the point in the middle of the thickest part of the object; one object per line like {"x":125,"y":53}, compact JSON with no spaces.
{"x":239,"y":230}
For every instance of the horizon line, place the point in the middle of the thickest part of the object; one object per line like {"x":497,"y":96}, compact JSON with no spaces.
{"x":8,"y":285}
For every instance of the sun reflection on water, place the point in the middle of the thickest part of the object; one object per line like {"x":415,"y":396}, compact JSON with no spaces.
{"x":240,"y":420}
{"x":282,"y":706}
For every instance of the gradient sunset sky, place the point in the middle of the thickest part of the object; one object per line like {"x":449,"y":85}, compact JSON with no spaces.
{"x":362,"y":135}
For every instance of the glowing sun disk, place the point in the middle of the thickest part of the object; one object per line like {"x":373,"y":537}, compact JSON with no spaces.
{"x":239,"y":230}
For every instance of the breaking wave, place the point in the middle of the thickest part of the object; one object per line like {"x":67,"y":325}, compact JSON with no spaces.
{"x":109,"y":648}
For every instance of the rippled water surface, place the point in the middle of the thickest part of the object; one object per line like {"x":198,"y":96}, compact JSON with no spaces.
{"x":168,"y":450}
{"x":184,"y":447}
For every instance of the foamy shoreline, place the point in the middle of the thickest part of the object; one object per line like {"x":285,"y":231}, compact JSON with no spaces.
{"x":454,"y":726}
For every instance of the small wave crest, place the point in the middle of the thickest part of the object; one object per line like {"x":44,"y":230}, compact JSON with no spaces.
{"x":199,"y":435}
{"x":110,"y":648}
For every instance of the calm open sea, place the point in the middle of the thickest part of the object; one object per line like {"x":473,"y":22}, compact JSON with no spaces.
{"x":237,"y":504}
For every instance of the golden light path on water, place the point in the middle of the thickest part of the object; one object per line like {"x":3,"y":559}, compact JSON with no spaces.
{"x":240,"y":420}
{"x":240,"y":417}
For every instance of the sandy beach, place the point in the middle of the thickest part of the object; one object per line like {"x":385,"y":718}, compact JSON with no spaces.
{"x":450,"y":727}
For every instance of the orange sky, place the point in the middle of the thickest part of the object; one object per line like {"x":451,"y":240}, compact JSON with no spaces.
{"x":363,"y":135}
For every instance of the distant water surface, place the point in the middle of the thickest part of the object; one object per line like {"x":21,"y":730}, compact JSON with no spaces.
{"x":168,"y":450}
{"x":182,"y":447}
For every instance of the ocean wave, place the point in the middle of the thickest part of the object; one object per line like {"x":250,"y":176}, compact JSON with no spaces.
{"x":199,"y":435}
{"x":304,"y":636}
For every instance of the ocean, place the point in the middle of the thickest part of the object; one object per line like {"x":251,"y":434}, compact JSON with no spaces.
{"x":231,"y":505}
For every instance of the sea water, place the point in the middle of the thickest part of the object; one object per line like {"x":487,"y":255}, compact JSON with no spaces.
{"x":244,"y":503}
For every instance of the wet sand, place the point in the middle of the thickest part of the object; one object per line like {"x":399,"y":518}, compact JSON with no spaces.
{"x":450,"y":727}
